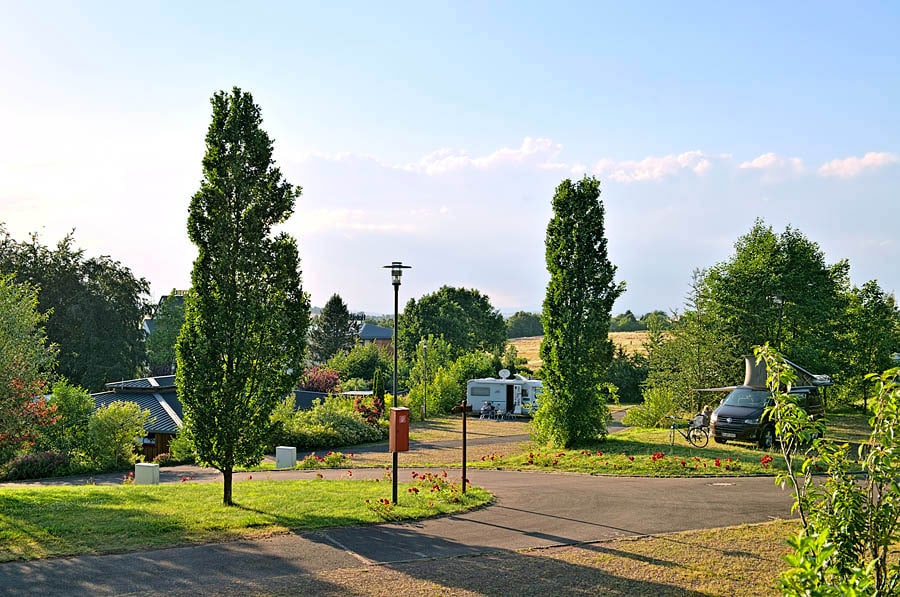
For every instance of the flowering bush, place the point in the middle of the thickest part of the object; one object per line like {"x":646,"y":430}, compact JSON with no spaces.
{"x":766,"y":460}
{"x":320,"y":379}
{"x":36,"y":466}
{"x":128,"y":479}
{"x":330,"y":460}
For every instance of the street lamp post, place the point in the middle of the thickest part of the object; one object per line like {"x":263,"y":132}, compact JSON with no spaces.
{"x":425,"y":378}
{"x":396,"y":268}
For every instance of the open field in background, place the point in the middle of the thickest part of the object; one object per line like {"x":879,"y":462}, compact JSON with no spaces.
{"x":529,"y":348}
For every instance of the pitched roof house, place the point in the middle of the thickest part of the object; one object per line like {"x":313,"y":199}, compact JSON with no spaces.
{"x":155,"y":394}
{"x":375,"y":334}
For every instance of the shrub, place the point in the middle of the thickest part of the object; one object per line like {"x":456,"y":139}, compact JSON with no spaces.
{"x":181,"y":448}
{"x":68,"y":433}
{"x":36,"y":466}
{"x":659,"y":403}
{"x":115,"y":431}
{"x":329,"y":424}
{"x":320,"y":379}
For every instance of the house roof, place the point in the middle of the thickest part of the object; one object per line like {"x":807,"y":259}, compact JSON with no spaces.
{"x":155,"y":394}
{"x":164,"y":417}
{"x":370,"y":331}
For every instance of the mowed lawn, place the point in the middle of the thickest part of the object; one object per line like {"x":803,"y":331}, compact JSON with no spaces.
{"x":40,"y":522}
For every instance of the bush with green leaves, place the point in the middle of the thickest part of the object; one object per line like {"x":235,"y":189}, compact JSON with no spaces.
{"x":362,"y":361}
{"x":330,"y":423}
{"x":115,"y":432}
{"x":628,"y":372}
{"x":69,"y":432}
{"x":659,"y":403}
{"x":850,"y":523}
{"x":181,"y":448}
{"x":36,"y":465}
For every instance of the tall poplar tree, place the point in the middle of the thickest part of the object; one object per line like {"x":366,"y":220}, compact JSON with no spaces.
{"x":576,"y":349}
{"x":242,"y":344}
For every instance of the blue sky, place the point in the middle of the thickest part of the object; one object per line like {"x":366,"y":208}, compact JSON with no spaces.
{"x":435,"y":133}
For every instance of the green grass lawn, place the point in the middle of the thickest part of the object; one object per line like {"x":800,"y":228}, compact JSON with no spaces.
{"x":848,"y":425}
{"x":644,"y":452}
{"x":40,"y":522}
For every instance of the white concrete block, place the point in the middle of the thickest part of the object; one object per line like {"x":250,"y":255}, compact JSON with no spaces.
{"x":285,"y":456}
{"x":146,"y":473}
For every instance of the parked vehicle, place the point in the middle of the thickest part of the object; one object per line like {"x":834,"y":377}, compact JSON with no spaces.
{"x":740,"y":415}
{"x":514,"y":395}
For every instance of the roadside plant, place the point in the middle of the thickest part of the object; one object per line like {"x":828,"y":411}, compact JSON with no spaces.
{"x":114,"y":432}
{"x":849,"y":521}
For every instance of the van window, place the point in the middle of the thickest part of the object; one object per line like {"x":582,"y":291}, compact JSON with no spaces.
{"x":747,"y":397}
{"x":480,"y":391}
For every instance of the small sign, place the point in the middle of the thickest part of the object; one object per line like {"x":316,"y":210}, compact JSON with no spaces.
{"x":402,"y":419}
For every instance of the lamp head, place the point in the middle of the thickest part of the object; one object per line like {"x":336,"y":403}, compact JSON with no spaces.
{"x":397,"y":268}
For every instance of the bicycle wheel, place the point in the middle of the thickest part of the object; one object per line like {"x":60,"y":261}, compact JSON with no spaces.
{"x":698,"y":436}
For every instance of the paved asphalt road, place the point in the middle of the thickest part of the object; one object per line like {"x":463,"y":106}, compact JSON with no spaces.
{"x":531,"y":510}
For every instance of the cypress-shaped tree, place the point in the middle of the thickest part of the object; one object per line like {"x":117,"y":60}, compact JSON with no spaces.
{"x":241,"y":348}
{"x":576,"y":349}
{"x":333,"y":331}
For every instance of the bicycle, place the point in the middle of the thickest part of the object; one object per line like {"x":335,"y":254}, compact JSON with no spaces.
{"x":697,"y":434}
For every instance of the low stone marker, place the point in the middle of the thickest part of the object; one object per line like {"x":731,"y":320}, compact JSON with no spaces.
{"x":285,"y":456}
{"x":146,"y":473}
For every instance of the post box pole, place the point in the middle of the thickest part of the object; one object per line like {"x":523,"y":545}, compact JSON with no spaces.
{"x":394,"y":479}
{"x":464,"y":409}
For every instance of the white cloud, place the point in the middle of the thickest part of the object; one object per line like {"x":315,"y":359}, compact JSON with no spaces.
{"x":772,"y":161}
{"x":854,"y":166}
{"x":537,"y":151}
{"x":653,"y":167}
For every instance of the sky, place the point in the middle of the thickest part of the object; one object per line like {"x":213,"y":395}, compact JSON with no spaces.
{"x":435,"y":133}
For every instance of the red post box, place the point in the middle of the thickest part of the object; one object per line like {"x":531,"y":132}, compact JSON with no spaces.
{"x":399,"y":441}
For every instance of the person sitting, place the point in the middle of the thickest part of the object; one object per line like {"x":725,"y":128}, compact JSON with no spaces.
{"x":487,"y":409}
{"x":702,"y":418}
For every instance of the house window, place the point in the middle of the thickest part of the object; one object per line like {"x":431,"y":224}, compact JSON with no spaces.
{"x":481,"y":391}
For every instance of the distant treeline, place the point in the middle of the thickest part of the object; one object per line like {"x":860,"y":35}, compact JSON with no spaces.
{"x":523,"y":324}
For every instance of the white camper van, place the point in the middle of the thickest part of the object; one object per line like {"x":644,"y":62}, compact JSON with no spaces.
{"x":508,"y":395}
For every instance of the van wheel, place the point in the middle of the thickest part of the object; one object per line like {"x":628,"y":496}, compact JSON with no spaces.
{"x":767,"y":439}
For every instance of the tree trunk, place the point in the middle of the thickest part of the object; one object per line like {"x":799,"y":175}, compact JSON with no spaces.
{"x":226,"y":499}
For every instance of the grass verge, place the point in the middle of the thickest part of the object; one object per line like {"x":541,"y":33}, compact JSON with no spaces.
{"x":741,"y":560}
{"x":40,"y":522}
{"x":642,"y":452}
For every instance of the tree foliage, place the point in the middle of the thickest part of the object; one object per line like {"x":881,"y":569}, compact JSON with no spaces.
{"x":362,"y":361}
{"x":95,"y":307}
{"x":26,"y":361}
{"x":167,"y":322}
{"x":777,"y":288}
{"x":870,"y":333}
{"x":694,"y":352}
{"x":464,"y":317}
{"x":850,"y":522}
{"x":242,"y":345}
{"x":115,"y":431}
{"x":68,"y":434}
{"x":524,"y":325}
{"x":333,"y":331}
{"x":576,"y":349}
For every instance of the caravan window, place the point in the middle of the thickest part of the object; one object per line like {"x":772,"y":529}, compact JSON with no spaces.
{"x":481,"y":391}
{"x":524,"y":392}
